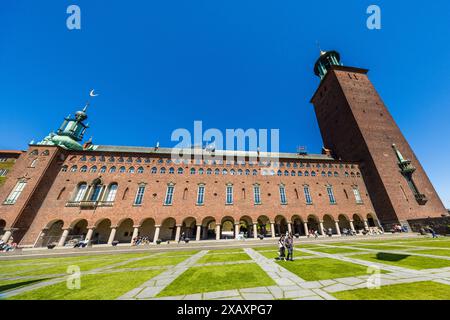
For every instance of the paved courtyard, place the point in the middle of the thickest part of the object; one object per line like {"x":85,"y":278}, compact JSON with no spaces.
{"x":404,"y":268}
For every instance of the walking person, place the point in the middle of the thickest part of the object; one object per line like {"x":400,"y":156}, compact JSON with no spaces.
{"x":282,"y":248}
{"x":290,"y":247}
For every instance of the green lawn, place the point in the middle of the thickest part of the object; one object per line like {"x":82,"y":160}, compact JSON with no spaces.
{"x":275,"y":254}
{"x":93,"y":287}
{"x":436,"y":252}
{"x":154,"y":261}
{"x":6,"y":285}
{"x":218,"y":278}
{"x":427,"y":290}
{"x":444,"y":243}
{"x":334,"y":250}
{"x":323,"y":268}
{"x":226,"y":257}
{"x":404,"y":260}
{"x":384,"y":247}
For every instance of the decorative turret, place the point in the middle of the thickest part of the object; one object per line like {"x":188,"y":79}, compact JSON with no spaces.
{"x":325,"y":61}
{"x":407,"y":170}
{"x":71,"y":131}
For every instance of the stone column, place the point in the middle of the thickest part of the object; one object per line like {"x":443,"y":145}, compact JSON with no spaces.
{"x":237,"y":229}
{"x":338,"y":230}
{"x":199,"y":232}
{"x":89,"y":235}
{"x":217,"y":231}
{"x":112,"y":235}
{"x":255,"y":231}
{"x":352,"y":226}
{"x":135,"y":234}
{"x":272,"y":229}
{"x":63,"y":238}
{"x":156,"y":236}
{"x":305,"y":226}
{"x":289,"y":227}
{"x":322,"y":231}
{"x":6,"y":236}
{"x":177,"y":233}
{"x":366,"y":226}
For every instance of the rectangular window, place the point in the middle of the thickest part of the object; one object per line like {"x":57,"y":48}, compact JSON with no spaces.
{"x":307,"y":195}
{"x":96,"y":192}
{"x":331,"y":195}
{"x":357,"y":195}
{"x":112,"y":193}
{"x":3,"y":172}
{"x":283,"y":195}
{"x":257,"y":194}
{"x":139,"y":195}
{"x":201,"y":195}
{"x":229,"y":199}
{"x":80,"y":193}
{"x":15,"y":193}
{"x":169,"y":196}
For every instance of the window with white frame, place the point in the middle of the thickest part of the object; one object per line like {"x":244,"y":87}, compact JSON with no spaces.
{"x":112,"y":191}
{"x":139,"y":195}
{"x":331,"y":195}
{"x":3,"y":172}
{"x":97,"y":190}
{"x":169,"y":195}
{"x":307,"y":195}
{"x":357,"y":195}
{"x":33,"y":163}
{"x":201,"y":194}
{"x":15,"y":193}
{"x":257,"y":194}
{"x":283,"y":194}
{"x":81,"y":191}
{"x":229,"y":194}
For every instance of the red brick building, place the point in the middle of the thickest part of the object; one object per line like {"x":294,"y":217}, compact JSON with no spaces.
{"x":60,"y":189}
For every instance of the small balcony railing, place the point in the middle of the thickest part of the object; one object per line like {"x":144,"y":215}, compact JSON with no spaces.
{"x":90,"y":204}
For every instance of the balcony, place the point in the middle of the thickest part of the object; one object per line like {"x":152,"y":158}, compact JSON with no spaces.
{"x":421,"y":199}
{"x":89,"y":204}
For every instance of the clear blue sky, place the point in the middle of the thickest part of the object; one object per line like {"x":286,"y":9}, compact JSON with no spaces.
{"x":160,"y":65}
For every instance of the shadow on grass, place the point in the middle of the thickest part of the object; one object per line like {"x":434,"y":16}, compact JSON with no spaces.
{"x":18,"y":284}
{"x":391,"y":256}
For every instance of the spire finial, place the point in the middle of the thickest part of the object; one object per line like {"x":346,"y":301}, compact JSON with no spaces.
{"x":320,"y":49}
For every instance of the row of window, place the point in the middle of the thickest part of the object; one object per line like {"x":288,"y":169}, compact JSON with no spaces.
{"x":3,"y":172}
{"x":99,"y":192}
{"x":213,"y":162}
{"x":210,"y":171}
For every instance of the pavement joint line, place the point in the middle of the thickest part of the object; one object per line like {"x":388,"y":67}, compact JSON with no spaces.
{"x":403,"y":252}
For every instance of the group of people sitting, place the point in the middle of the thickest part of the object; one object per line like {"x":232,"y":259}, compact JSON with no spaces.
{"x":7,"y":246}
{"x":286,"y":243}
{"x":399,"y":228}
{"x":141,"y":240}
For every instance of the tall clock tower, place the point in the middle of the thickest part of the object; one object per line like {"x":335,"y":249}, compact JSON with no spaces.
{"x":356,"y":125}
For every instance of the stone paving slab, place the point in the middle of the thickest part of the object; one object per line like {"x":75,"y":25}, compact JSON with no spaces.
{"x":220,"y":294}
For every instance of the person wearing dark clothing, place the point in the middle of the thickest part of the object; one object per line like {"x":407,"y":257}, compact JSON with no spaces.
{"x":289,"y":242}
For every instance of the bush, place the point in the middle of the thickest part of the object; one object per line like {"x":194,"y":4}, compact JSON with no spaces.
{"x":51,"y":246}
{"x":261,"y":237}
{"x":186,"y":240}
{"x":158,"y":241}
{"x":115,"y":243}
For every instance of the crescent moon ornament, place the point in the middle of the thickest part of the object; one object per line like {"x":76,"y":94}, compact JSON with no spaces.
{"x":93,"y":94}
